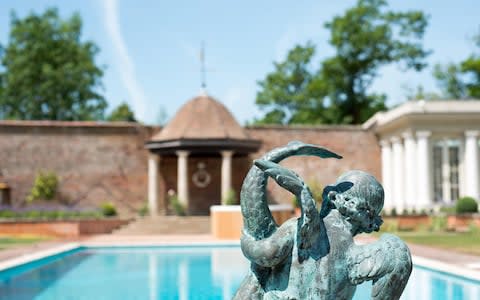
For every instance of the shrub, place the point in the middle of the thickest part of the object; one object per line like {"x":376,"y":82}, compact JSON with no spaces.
{"x":466,"y":205}
{"x":175,"y":204}
{"x":393,"y":213}
{"x":108,"y":209}
{"x":44,"y":187}
{"x":143,"y":211}
{"x":7,"y":214}
{"x":230,"y":198}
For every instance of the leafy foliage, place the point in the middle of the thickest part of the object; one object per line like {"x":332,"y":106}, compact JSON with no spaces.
{"x":291,"y":93}
{"x":176,"y":205}
{"x":122,"y":113}
{"x":449,"y":79}
{"x":460,"y":81}
{"x":47,"y":215}
{"x":230,"y":198}
{"x":49,"y":73}
{"x":365,"y":38}
{"x":44,"y":187}
{"x":466,"y":205}
{"x":143,"y":211}
{"x":108,"y":209}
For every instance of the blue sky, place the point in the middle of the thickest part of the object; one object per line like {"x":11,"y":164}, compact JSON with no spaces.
{"x":150,"y":49}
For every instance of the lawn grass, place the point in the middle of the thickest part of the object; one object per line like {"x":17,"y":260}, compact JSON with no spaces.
{"x":466,"y":242}
{"x":14,"y":241}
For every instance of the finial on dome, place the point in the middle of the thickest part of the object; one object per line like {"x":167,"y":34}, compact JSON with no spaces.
{"x":202,"y":67}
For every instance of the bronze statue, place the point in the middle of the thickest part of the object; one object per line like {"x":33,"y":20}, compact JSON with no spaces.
{"x":314,"y":256}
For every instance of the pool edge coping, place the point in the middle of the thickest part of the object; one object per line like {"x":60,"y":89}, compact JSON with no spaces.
{"x":37,"y":255}
{"x":440,"y":266}
{"x":435,"y":265}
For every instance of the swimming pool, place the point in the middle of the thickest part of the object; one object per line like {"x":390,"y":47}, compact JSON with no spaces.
{"x":175,"y":273}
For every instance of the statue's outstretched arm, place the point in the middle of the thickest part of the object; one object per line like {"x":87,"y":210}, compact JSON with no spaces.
{"x":387,"y":262}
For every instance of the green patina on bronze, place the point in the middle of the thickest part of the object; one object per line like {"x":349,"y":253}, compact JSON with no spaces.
{"x":314,"y":256}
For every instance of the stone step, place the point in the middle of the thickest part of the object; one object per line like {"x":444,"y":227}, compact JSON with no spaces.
{"x":166,"y":225}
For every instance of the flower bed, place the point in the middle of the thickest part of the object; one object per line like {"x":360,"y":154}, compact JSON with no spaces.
{"x":55,"y":220}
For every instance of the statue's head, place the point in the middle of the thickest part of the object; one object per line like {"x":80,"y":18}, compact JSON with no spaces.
{"x":360,"y":203}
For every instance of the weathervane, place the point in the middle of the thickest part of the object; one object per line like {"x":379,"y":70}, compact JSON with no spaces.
{"x":202,"y":67}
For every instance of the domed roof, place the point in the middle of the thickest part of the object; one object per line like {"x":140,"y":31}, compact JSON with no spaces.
{"x":202,"y":122}
{"x":202,"y":118}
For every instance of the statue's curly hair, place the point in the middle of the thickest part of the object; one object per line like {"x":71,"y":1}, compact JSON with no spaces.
{"x":361,"y":202}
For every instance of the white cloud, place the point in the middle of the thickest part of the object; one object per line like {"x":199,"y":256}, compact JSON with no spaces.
{"x":125,"y":62}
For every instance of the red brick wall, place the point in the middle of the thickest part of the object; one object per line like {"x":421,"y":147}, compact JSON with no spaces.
{"x":109,"y":163}
{"x":94,"y":164}
{"x":359,"y":148}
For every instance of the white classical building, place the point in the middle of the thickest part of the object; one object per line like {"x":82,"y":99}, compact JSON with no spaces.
{"x":430,"y":153}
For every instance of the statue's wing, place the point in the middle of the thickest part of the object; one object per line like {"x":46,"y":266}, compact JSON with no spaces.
{"x":257,"y":218}
{"x":387,"y":262}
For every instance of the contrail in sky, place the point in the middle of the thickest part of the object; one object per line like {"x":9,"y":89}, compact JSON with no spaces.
{"x":126,"y":66}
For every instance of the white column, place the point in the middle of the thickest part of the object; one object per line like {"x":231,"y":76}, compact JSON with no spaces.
{"x":153,"y":161}
{"x":182,"y":177}
{"x":471,"y":164}
{"x":410,"y":161}
{"x":387,"y":174}
{"x":226,"y":173}
{"x":398,"y":177}
{"x":424,"y":193}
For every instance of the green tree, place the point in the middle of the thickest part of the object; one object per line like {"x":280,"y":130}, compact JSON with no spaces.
{"x":366,"y":37}
{"x":449,"y":79}
{"x":419,"y":93}
{"x":122,"y":113}
{"x":49,"y":73}
{"x":291,"y":93}
{"x":460,"y":81}
{"x":471,"y":68}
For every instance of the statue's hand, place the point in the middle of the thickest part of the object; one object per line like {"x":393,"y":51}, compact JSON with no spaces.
{"x":284,"y":177}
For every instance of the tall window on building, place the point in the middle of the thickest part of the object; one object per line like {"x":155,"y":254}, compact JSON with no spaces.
{"x":446,"y":171}
{"x":437,"y":172}
{"x":453,"y":152}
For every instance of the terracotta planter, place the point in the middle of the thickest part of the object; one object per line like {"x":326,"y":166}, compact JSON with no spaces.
{"x":407,"y":223}
{"x":463,"y":222}
{"x":227,"y":221}
{"x":61,"y":228}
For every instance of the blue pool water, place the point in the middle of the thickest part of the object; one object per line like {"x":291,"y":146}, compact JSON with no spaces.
{"x":176,"y":273}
